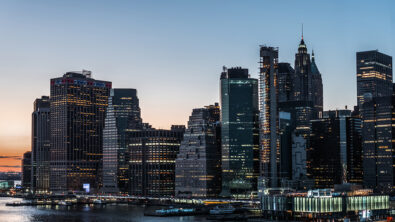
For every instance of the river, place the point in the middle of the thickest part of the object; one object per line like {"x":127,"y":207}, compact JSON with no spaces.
{"x":80,"y":213}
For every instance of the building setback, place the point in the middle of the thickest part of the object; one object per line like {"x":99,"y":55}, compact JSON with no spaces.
{"x":123,"y":115}
{"x":239,"y":133}
{"x":198,"y":164}
{"x":151,"y":157}
{"x":78,"y":108}
{"x":41,"y":143}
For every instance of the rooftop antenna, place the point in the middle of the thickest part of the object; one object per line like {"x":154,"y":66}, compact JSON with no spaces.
{"x":302,"y":30}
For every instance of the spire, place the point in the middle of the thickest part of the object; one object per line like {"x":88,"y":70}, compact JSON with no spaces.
{"x":302,"y":44}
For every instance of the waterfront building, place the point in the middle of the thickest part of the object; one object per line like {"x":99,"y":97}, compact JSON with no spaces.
{"x":239,"y":133}
{"x":269,"y":116}
{"x":151,"y":156}
{"x":78,"y":109}
{"x":41,"y":143}
{"x":27,"y":170}
{"x":198,"y":164}
{"x":374,"y":75}
{"x":334,"y":154}
{"x":345,"y":201}
{"x":123,"y":115}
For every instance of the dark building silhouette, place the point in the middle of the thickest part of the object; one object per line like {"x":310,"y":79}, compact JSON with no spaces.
{"x":198,"y":164}
{"x":123,"y":115}
{"x":374,"y":75}
{"x":27,"y":170}
{"x":239,"y":133}
{"x":334,"y":153}
{"x":151,"y":157}
{"x":78,"y":108}
{"x":41,"y":143}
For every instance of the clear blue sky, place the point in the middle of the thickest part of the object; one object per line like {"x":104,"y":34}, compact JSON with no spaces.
{"x":172,"y":52}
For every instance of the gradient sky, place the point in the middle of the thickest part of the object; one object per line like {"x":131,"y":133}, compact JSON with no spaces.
{"x":172,"y":52}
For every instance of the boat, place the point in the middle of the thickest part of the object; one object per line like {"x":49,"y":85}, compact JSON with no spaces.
{"x":64,"y":203}
{"x":99,"y":201}
{"x":14,"y":204}
{"x":172,"y":211}
{"x":222,"y":209}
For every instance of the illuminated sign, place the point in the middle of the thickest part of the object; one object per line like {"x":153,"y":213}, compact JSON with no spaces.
{"x":86,"y":187}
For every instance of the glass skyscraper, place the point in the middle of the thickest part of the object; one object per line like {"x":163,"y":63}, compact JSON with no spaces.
{"x":41,"y":143}
{"x":239,"y":133}
{"x":78,"y":109}
{"x":123,"y":115}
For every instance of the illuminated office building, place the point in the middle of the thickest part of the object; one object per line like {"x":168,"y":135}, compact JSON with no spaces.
{"x":374,"y":75}
{"x":151,"y":156}
{"x":239,"y":133}
{"x":375,"y":101}
{"x":269,"y":116}
{"x":377,"y":137}
{"x":41,"y":143}
{"x":198,"y":164}
{"x":78,"y":109}
{"x":123,"y":115}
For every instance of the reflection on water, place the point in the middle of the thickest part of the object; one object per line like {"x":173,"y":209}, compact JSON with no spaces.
{"x":79,"y":213}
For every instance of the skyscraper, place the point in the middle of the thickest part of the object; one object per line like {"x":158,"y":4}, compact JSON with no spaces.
{"x":41,"y":143}
{"x":78,"y":108}
{"x":374,"y":75}
{"x":198,"y":164}
{"x":151,"y":157}
{"x":239,"y":133}
{"x":269,"y":116}
{"x":375,"y":102}
{"x":123,"y":115}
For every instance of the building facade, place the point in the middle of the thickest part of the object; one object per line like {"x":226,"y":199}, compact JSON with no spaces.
{"x":198,"y":164}
{"x":78,"y":109}
{"x":239,"y":133}
{"x":335,"y":152}
{"x":377,"y":142}
{"x":151,"y":157}
{"x":123,"y":115}
{"x":41,"y":144}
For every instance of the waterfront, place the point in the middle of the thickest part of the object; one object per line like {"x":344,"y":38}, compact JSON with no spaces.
{"x":80,"y":213}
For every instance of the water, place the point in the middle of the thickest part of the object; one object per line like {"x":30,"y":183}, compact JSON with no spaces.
{"x":80,"y":213}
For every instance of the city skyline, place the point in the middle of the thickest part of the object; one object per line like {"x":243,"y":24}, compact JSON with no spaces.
{"x":166,"y":68}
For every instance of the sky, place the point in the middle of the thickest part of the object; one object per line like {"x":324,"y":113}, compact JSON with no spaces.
{"x":172,"y":51}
